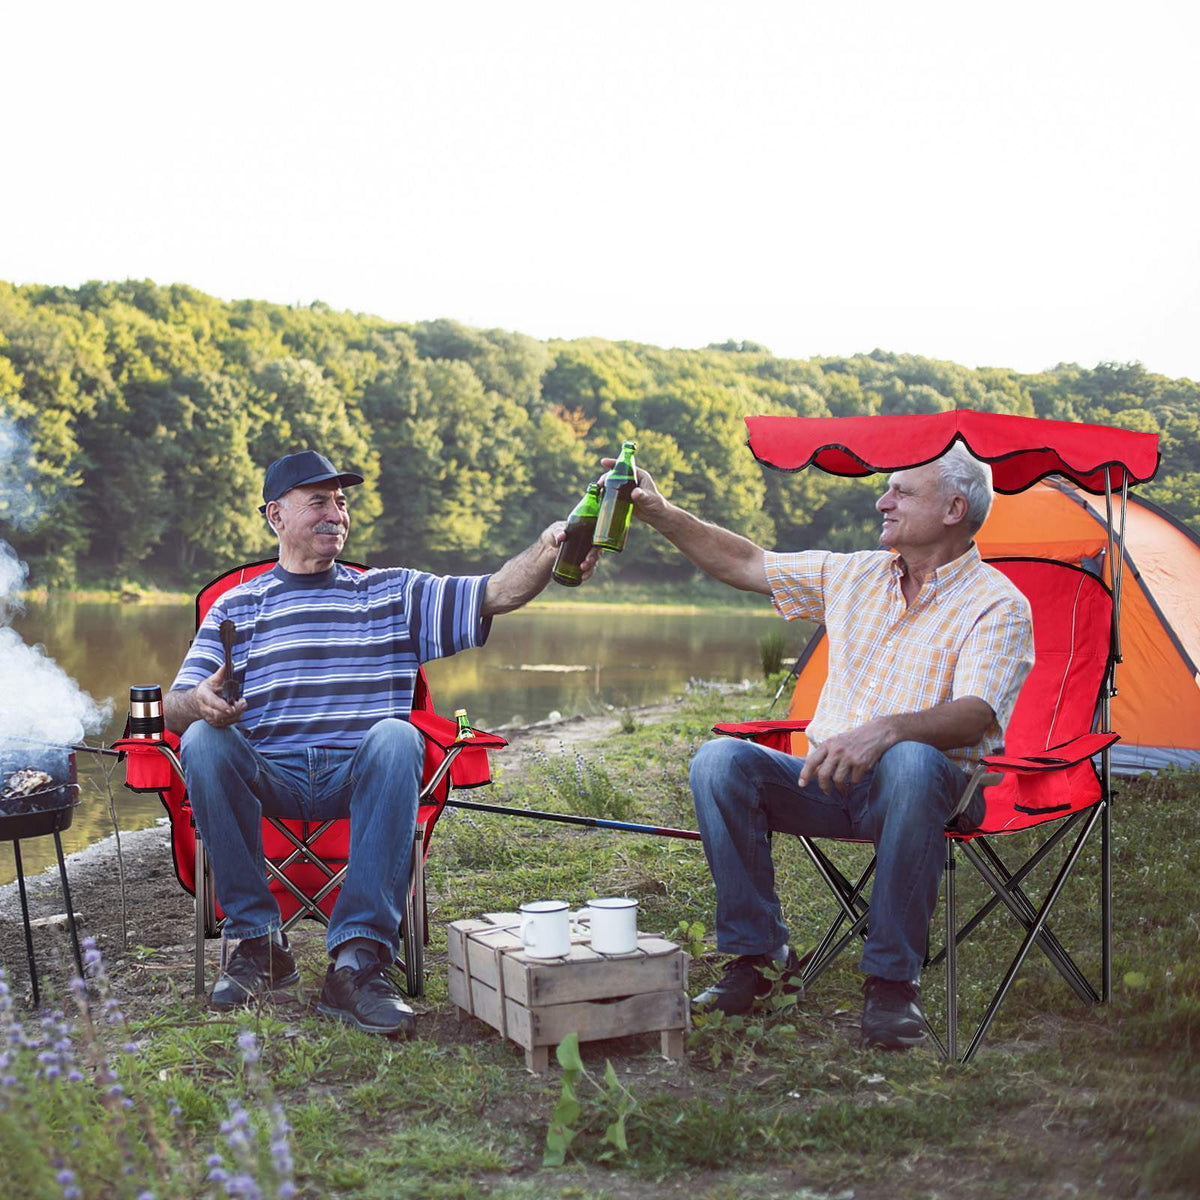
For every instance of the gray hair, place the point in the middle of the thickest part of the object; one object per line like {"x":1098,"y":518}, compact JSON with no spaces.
{"x":964,"y":475}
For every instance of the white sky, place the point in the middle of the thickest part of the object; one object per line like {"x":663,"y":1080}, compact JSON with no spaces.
{"x":1010,"y":184}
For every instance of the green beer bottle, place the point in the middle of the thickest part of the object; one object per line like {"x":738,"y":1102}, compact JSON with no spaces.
{"x":612,"y":524}
{"x":581,"y":524}
{"x":464,"y":726}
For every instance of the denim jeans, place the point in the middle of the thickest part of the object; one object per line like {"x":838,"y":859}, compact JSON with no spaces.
{"x":232,"y":786}
{"x":742,"y":791}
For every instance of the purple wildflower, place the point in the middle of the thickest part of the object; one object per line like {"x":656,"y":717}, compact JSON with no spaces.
{"x":248,"y":1046}
{"x":243,"y":1187}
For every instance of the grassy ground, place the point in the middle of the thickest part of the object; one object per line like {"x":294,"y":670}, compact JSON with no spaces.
{"x":1062,"y":1100}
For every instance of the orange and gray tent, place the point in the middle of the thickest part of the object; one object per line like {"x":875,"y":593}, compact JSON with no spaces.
{"x":1157,"y":704}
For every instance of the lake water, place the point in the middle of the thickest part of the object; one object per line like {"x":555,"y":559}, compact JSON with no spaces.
{"x":537,"y":661}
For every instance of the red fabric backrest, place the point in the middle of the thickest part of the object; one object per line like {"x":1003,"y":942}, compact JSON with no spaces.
{"x":1072,"y":635}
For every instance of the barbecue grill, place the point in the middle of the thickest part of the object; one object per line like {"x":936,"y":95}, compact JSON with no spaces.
{"x":39,"y":795}
{"x":39,"y":791}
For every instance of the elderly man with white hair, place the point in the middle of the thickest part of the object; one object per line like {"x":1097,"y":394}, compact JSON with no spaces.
{"x":928,"y":648}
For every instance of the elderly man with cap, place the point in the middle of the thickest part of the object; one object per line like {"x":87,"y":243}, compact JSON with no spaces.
{"x":326,"y":658}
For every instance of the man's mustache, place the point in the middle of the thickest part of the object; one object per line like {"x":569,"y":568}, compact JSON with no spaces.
{"x":327,"y":527}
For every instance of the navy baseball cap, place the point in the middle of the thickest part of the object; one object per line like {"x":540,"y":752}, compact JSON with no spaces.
{"x":295,"y":470}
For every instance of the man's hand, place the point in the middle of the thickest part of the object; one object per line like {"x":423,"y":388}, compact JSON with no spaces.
{"x":726,"y":556}
{"x":554,"y":535}
{"x":211,"y":706}
{"x":648,"y":502}
{"x":847,"y":758}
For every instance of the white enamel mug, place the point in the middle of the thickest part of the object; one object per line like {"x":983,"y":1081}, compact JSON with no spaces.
{"x":614,"y":924}
{"x":545,"y":929}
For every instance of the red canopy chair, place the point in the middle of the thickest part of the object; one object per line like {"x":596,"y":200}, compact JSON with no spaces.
{"x":307,"y":861}
{"x":1047,"y":775}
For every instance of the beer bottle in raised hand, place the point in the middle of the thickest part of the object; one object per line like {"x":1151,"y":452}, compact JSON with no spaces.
{"x":616,"y":508}
{"x":581,"y":525}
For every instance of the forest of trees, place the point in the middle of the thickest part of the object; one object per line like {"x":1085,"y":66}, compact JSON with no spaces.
{"x":136,"y":420}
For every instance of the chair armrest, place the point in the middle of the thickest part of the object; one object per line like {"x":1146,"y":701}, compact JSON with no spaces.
{"x":444,"y":732}
{"x":149,"y":762}
{"x":774,"y":735}
{"x":752,"y":729}
{"x":1056,"y":758}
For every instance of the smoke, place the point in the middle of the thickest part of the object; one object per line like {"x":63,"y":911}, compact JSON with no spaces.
{"x":39,"y":701}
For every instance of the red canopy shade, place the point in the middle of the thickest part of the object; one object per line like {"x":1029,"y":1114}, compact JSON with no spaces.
{"x":1021,"y":450}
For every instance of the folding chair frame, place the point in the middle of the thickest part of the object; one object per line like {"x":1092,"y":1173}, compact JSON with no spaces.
{"x":414,"y":926}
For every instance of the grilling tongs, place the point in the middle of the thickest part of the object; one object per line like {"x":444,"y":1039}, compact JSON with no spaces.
{"x":230,"y":690}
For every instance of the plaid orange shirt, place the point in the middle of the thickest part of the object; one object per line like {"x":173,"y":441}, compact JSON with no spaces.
{"x":969,"y":632}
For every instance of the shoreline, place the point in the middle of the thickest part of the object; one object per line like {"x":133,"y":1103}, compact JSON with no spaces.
{"x":672,"y":607}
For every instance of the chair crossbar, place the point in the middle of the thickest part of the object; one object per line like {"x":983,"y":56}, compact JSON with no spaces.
{"x":827,"y":950}
{"x":1025,"y":913}
{"x":1016,"y":877}
{"x":308,"y":905}
{"x":818,"y":964}
{"x":1047,"y":941}
{"x":304,"y":846}
{"x":1032,"y":933}
{"x":838,"y":884}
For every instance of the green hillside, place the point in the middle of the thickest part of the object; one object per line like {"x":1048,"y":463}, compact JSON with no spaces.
{"x":143,"y":416}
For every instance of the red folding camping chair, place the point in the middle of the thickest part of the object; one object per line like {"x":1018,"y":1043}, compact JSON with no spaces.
{"x":1047,"y":774}
{"x":306,"y":861}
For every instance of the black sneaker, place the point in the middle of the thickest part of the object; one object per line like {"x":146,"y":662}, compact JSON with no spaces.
{"x":367,"y":998}
{"x":745,"y":980}
{"x":892,"y":1018}
{"x":257,"y":966}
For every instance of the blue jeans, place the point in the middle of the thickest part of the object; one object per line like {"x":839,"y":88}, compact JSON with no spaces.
{"x":742,"y":791}
{"x":232,"y":786}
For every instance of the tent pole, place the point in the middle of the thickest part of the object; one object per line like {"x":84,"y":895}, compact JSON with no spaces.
{"x":1121,"y":560}
{"x":1112,"y":570}
{"x":1116,"y":576}
{"x":1106,"y":913}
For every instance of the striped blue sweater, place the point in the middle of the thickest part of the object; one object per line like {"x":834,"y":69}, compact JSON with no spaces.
{"x":321,"y":658}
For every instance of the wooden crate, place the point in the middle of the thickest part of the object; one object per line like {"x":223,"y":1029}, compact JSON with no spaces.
{"x":537,"y":1001}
